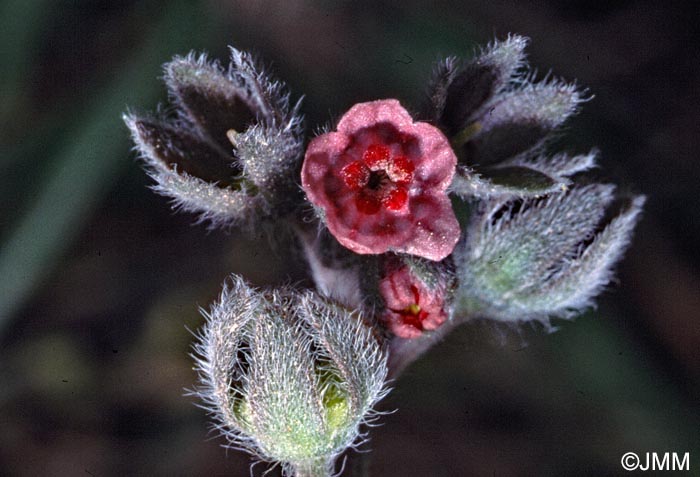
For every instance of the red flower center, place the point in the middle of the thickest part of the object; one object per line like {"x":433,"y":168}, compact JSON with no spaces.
{"x":380,"y":179}
{"x":413,"y":314}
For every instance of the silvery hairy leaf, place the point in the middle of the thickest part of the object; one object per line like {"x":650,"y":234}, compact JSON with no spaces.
{"x":539,"y":258}
{"x":519,"y":121}
{"x":522,"y":177}
{"x":458,"y":92}
{"x":194,"y":173}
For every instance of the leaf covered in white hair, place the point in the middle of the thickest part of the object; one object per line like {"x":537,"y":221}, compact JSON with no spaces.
{"x":541,"y":258}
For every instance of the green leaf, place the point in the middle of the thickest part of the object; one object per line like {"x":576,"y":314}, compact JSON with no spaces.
{"x":506,"y":182}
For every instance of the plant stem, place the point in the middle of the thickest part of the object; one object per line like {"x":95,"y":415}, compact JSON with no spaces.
{"x":313,"y":468}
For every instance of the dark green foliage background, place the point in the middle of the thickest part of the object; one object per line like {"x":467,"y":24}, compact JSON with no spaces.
{"x":99,"y":279}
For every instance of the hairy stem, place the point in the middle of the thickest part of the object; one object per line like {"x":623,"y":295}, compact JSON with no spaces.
{"x":314,"y":468}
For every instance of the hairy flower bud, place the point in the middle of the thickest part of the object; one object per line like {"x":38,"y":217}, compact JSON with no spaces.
{"x":234,"y":146}
{"x":288,"y":376}
{"x":538,"y":258}
{"x":414,"y":292}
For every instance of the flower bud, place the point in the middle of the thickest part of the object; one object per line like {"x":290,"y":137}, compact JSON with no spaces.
{"x":414,"y":292}
{"x":288,"y":376}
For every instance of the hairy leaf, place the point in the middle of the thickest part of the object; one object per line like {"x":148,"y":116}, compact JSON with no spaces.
{"x":536,"y":258}
{"x":477,"y":82}
{"x":175,"y":147}
{"x":209,"y":97}
{"x":519,"y":121}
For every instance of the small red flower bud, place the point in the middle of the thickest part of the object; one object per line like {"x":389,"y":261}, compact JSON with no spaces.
{"x":411,"y":306}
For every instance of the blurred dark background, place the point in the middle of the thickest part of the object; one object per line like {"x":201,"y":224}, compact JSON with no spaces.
{"x":100,"y":281}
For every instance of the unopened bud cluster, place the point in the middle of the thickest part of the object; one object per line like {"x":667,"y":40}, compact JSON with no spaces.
{"x":288,"y":375}
{"x":410,"y":223}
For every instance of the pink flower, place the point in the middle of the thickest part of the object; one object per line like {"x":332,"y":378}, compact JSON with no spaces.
{"x":381,"y":181}
{"x":411,"y":306}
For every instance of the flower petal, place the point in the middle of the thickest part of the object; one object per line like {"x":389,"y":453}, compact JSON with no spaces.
{"x":364,"y":115}
{"x":436,"y":229}
{"x":438,"y":166}
{"x":381,"y":182}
